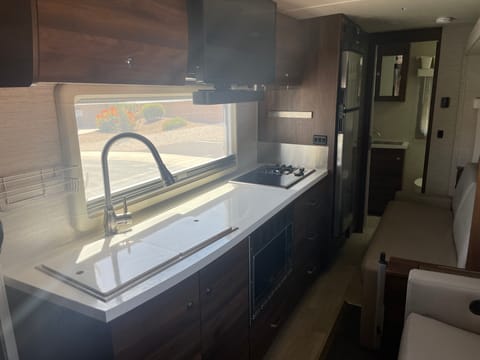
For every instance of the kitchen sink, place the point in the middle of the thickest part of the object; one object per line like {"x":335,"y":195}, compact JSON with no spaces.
{"x":113,"y":269}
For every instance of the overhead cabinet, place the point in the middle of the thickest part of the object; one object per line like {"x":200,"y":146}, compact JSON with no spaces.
{"x":292,"y":46}
{"x":94,"y":41}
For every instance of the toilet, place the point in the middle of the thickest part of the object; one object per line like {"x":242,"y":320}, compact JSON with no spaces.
{"x":417,"y":185}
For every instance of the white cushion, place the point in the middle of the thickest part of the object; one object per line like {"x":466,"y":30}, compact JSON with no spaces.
{"x":462,"y":222}
{"x":424,"y":339}
{"x":467,"y":180}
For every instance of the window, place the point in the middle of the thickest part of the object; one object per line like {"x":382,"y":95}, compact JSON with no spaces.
{"x":193,"y":141}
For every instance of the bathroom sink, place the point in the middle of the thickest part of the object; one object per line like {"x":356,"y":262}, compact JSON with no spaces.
{"x":389,"y":144}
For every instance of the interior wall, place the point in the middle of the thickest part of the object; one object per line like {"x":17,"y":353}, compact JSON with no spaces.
{"x":398,"y":120}
{"x":452,"y":82}
{"x":467,"y":117}
{"x":30,"y":140}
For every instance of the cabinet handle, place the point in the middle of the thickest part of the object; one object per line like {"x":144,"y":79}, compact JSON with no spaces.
{"x":312,"y":203}
{"x":129,"y":61}
{"x":189,"y":305}
{"x":274,"y":325}
{"x":311,"y":238}
{"x":311,"y":270}
{"x":286,"y":75}
{"x":397,"y":158}
{"x":208,"y":291}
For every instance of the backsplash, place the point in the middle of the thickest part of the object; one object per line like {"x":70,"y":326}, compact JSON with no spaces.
{"x":309,"y":156}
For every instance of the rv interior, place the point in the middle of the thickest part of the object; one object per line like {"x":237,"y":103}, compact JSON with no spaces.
{"x":239,"y":179}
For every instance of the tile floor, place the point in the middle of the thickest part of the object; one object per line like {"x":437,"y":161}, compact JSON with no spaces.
{"x":306,"y":332}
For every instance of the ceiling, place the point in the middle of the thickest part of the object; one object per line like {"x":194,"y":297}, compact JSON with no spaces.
{"x":385,"y":15}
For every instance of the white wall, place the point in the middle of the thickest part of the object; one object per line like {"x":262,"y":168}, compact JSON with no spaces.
{"x":457,"y":79}
{"x":467,"y":116}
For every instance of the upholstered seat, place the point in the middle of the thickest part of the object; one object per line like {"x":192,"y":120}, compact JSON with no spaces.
{"x":439,"y":324}
{"x":422,"y":228}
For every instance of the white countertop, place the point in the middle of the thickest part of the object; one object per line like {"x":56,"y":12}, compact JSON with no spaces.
{"x":242,"y":206}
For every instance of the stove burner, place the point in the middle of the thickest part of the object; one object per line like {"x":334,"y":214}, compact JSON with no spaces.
{"x":279,"y":175}
{"x":279,"y":169}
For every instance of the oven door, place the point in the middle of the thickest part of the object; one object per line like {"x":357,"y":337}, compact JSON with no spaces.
{"x":271,"y":262}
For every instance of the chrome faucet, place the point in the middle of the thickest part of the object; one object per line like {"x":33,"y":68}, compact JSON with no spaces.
{"x":111,"y":219}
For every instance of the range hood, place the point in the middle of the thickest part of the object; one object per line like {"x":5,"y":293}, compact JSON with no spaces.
{"x":231,"y":44}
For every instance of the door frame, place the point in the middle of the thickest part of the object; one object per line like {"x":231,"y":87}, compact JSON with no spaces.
{"x":375,"y":39}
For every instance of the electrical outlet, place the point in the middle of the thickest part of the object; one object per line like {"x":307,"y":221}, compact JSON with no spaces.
{"x":320,"y":140}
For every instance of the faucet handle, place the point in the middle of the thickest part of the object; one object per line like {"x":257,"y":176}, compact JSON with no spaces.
{"x":126,"y":217}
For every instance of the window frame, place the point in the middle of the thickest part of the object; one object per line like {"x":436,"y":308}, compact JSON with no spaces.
{"x":152,"y":192}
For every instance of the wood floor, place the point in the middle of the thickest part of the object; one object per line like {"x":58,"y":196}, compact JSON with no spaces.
{"x":305,"y":334}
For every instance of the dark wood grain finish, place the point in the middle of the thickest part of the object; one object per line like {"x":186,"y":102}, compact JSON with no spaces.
{"x":17,"y":42}
{"x":386,"y":172}
{"x":46,"y":331}
{"x":291,"y":50}
{"x":166,"y":327}
{"x":317,"y":91}
{"x":93,"y":41}
{"x":225,"y":306}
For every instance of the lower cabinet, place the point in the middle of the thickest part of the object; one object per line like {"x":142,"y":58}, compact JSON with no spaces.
{"x":206,"y":316}
{"x":225,"y":306}
{"x":386,"y":172}
{"x":166,"y":327}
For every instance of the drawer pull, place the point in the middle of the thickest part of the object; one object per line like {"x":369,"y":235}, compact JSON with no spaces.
{"x":208,"y":291}
{"x":398,"y":158}
{"x":189,"y":305}
{"x":311,"y":270}
{"x":274,"y":325}
{"x":312,"y":203}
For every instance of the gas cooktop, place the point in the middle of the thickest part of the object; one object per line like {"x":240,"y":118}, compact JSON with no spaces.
{"x":278,"y":175}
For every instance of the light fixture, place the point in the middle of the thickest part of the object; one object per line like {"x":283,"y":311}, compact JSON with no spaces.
{"x":444,"y":20}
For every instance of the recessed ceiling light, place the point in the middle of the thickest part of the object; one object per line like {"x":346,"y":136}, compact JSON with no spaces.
{"x":444,"y":20}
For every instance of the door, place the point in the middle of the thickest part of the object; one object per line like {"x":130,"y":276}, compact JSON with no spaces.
{"x":348,"y":118}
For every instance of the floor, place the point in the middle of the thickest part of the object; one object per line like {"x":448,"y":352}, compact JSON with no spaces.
{"x":305,"y":334}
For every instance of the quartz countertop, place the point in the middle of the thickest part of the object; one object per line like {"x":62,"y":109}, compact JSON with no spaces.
{"x":243,"y":207}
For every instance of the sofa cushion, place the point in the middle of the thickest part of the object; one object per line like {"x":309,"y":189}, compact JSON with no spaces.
{"x":413,"y":231}
{"x":467,"y":181}
{"x":408,"y":230}
{"x":424,"y":338}
{"x":462,"y":224}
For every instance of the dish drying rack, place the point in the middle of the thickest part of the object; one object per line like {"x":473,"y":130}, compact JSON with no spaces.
{"x":21,"y":189}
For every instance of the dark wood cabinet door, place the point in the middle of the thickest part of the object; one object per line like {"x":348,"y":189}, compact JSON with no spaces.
{"x":166,"y":327}
{"x":225,"y":305}
{"x":112,"y":41}
{"x":291,"y":50}
{"x":386,"y":172}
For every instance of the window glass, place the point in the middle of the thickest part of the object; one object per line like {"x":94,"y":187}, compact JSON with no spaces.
{"x":191,"y":139}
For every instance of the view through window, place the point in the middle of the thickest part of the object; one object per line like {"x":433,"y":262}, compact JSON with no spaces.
{"x":187,"y":137}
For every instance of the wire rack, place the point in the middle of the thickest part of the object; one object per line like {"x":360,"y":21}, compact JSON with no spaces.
{"x":21,"y":189}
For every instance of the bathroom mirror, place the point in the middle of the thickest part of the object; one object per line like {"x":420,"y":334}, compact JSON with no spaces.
{"x":392,"y":70}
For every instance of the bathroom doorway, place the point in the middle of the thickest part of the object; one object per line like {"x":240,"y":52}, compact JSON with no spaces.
{"x":403,"y":83}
